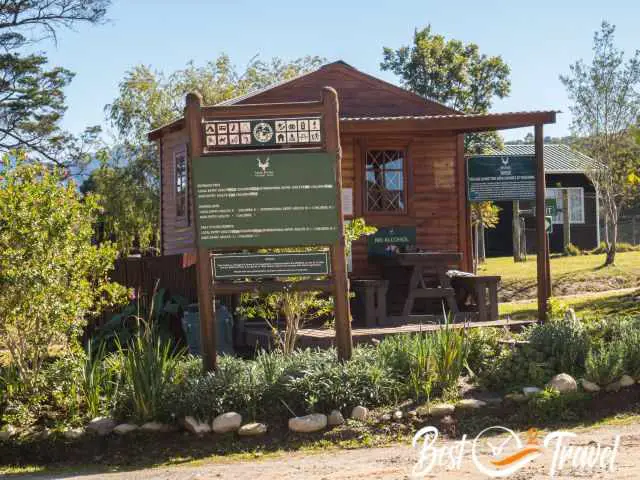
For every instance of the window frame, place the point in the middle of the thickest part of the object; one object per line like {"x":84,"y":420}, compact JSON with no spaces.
{"x":404,"y":149}
{"x":181,"y":151}
{"x":559,"y":220}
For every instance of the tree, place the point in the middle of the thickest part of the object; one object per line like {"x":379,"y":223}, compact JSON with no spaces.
{"x":452,"y":73}
{"x":147,"y":100}
{"x":52,"y":276}
{"x":32,"y":99}
{"x":606,"y":106}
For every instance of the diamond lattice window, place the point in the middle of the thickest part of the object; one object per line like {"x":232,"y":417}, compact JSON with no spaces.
{"x":385,"y":181}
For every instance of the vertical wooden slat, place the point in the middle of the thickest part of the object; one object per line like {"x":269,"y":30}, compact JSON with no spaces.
{"x":464,"y":217}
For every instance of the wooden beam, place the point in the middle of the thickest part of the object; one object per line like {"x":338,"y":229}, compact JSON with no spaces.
{"x":262,"y":110}
{"x":541,"y":234}
{"x":344,"y":341}
{"x":193,"y":116}
{"x":464,"y":215}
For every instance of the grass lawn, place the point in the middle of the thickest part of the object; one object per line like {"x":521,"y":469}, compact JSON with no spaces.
{"x":569,"y":275}
{"x":587,"y":305}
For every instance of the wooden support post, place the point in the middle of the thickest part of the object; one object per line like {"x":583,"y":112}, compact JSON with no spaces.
{"x":344,"y":341}
{"x":517,"y":252}
{"x":193,"y":117}
{"x":566,"y":225}
{"x":544,"y":288}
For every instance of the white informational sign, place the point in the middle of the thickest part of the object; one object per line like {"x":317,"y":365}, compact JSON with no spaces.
{"x":347,"y":201}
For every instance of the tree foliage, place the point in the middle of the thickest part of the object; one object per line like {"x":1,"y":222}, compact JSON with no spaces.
{"x":129,"y":177}
{"x":605,"y":98}
{"x":453,"y":73}
{"x":32,"y":99}
{"x":52,"y":276}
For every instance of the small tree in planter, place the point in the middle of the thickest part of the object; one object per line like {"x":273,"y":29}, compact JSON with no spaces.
{"x":52,"y":276}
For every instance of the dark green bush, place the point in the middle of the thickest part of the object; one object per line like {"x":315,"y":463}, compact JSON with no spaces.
{"x":551,"y":406}
{"x":605,"y":363}
{"x":564,"y":344}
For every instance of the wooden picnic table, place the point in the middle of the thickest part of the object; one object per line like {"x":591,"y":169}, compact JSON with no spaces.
{"x":421,"y":264}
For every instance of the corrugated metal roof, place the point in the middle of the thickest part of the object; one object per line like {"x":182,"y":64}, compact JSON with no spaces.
{"x":557,"y":158}
{"x":429,"y":117}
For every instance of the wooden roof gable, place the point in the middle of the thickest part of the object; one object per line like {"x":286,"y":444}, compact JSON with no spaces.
{"x":360,"y":94}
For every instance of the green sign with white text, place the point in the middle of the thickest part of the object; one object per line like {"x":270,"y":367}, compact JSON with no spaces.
{"x":265,"y":200}
{"x":501,"y":178}
{"x":270,"y":265}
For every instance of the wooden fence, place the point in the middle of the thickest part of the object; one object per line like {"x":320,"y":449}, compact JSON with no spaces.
{"x":142,"y":273}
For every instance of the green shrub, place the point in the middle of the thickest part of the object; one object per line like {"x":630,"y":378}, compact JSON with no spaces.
{"x":631,"y":343}
{"x":550,"y":405}
{"x":564,"y":344}
{"x":484,"y":348}
{"x":605,"y":363}
{"x":451,"y":350}
{"x":572,"y":251}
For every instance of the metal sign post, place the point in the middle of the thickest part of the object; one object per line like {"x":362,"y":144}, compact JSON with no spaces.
{"x":267,"y":176}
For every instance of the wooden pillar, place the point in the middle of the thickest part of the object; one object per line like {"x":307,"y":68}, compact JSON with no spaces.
{"x":193,"y":118}
{"x":517,"y":247}
{"x":344,"y":342}
{"x":544,"y":288}
{"x":566,"y":224}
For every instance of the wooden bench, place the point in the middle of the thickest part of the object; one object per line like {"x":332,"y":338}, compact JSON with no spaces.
{"x":372,"y":296}
{"x":482,"y":290}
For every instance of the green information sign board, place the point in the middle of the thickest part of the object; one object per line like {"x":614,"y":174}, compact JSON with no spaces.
{"x":388,"y":240}
{"x":270,"y":265}
{"x":501,"y":178}
{"x":266,"y":200}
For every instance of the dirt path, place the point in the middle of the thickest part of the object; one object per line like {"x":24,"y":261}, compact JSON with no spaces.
{"x":396,"y":462}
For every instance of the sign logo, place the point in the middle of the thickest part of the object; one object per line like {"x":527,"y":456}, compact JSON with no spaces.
{"x":263,"y":132}
{"x":498,"y":452}
{"x":263,"y":168}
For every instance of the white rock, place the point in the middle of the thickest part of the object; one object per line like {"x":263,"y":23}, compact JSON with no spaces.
{"x":227,"y":422}
{"x":7,"y":432}
{"x":252,"y":429}
{"x":360,"y":413}
{"x":530,"y":391}
{"x":157,"y":427}
{"x":589,"y":386}
{"x":441,"y":409}
{"x":470,"y":404}
{"x":563,"y":383}
{"x":101,"y":426}
{"x":386,"y":417}
{"x":412,"y":413}
{"x":626,"y":381}
{"x":73,"y":434}
{"x":125,"y":428}
{"x":309,"y":423}
{"x":195,"y":426}
{"x":335,"y":418}
{"x":397,"y":415}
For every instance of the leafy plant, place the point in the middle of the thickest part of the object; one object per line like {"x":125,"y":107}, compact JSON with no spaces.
{"x":550,"y":405}
{"x":564,"y":343}
{"x":451,"y":350}
{"x":605,"y":363}
{"x":52,"y":275}
{"x":148,"y":367}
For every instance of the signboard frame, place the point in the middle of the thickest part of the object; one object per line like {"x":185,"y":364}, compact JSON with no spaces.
{"x":196,"y":116}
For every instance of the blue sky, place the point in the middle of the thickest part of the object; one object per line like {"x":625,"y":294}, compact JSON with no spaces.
{"x":539,"y":40}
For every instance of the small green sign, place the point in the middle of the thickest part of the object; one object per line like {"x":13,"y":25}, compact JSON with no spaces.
{"x":390,"y":240}
{"x":501,"y":178}
{"x":551,"y":207}
{"x":548,"y":224}
{"x":266,"y":200}
{"x":270,"y":265}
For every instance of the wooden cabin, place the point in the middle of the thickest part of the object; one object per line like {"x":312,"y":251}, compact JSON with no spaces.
{"x":403,"y":162}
